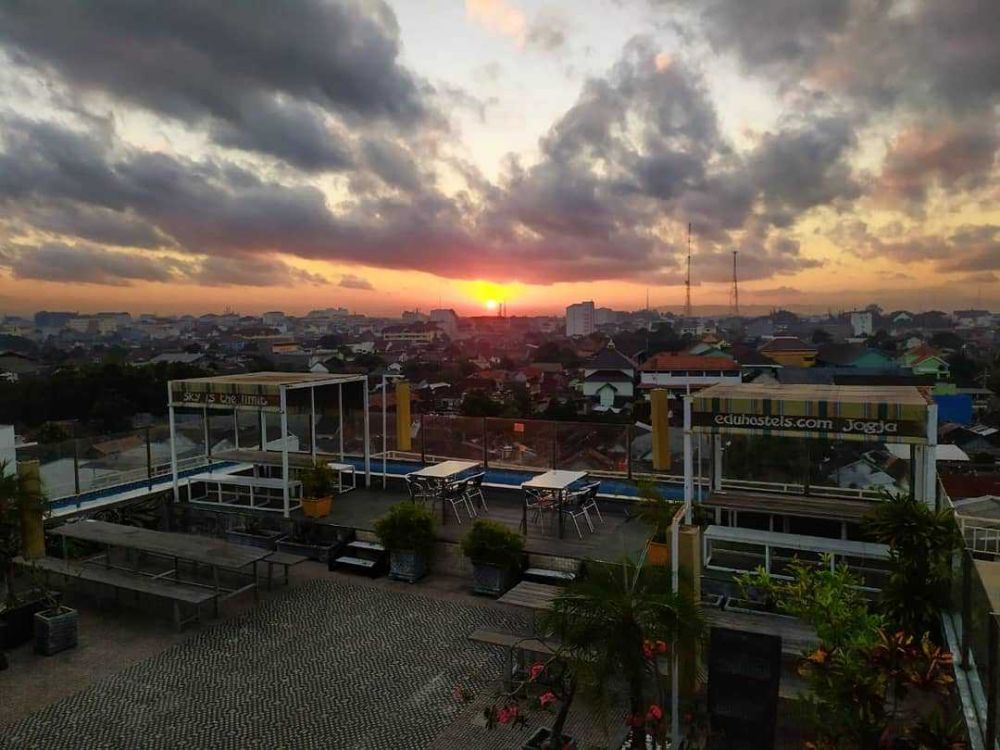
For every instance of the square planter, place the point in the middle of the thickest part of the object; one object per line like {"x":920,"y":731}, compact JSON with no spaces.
{"x":541,"y":735}
{"x":407,"y":566}
{"x":56,"y":630}
{"x":313,"y":550}
{"x":262,"y":539}
{"x":491,"y":579}
{"x":19,"y":621}
{"x":316,"y":507}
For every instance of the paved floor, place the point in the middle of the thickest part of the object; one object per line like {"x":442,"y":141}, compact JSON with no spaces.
{"x":328,"y":663}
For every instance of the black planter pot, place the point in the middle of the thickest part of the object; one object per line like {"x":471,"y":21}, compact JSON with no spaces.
{"x":491,"y":579}
{"x":56,"y":630}
{"x":19,"y":621}
{"x":541,"y":735}
{"x":407,"y":566}
{"x":262,"y":540}
{"x":312,"y":550}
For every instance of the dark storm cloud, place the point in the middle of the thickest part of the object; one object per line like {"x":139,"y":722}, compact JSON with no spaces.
{"x":970,"y":248}
{"x":250,"y":271}
{"x":84,"y":264}
{"x":956,"y":156}
{"x":261,"y":73}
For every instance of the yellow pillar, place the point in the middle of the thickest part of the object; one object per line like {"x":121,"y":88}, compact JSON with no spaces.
{"x":659,"y":412}
{"x":403,"y":442}
{"x":32,"y":512}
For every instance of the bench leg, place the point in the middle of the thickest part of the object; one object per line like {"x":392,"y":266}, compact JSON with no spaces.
{"x":177,"y":616}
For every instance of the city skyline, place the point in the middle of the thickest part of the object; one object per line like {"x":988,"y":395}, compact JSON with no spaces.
{"x":384,"y":156}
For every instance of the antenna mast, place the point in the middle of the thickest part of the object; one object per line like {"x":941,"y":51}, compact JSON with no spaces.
{"x":735,"y":295}
{"x":687,"y":281}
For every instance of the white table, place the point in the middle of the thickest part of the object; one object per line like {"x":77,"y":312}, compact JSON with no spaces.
{"x":441,"y":473}
{"x":341,"y":469}
{"x":558,"y":481}
{"x":445,"y":470}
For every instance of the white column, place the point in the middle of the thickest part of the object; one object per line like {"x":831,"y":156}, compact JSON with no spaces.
{"x":204,"y":424}
{"x":930,"y":457}
{"x":284,"y":449}
{"x":385,"y":407}
{"x":368,"y":453}
{"x":236,"y":428}
{"x":312,"y":421}
{"x":340,"y":418}
{"x":262,"y":415}
{"x":173,"y":450}
{"x":688,"y":462}
{"x":717,"y":463}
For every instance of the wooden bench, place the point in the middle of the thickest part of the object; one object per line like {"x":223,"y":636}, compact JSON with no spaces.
{"x":285,"y":560}
{"x":119,"y":580}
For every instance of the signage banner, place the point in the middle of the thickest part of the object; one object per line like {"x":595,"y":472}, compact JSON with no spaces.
{"x":221,"y":400}
{"x":850,"y":427}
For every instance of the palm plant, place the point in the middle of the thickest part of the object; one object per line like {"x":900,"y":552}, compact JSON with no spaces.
{"x":921,"y":542}
{"x":614,"y":626}
{"x":655,"y":510}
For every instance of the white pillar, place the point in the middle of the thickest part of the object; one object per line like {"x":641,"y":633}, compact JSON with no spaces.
{"x":717,"y":463}
{"x":236,"y":428}
{"x":284,"y":449}
{"x":340,"y":418}
{"x":263,"y":429}
{"x":688,"y":462}
{"x":368,"y":453}
{"x":930,"y":458}
{"x":312,"y":421}
{"x":204,"y":424}
{"x":385,"y":427}
{"x":173,"y":450}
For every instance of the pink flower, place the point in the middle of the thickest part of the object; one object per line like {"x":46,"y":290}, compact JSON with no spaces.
{"x":655,"y":713}
{"x":661,"y":647}
{"x":507,"y":714}
{"x":647,"y":649}
{"x":546,"y":698}
{"x":535,"y":669}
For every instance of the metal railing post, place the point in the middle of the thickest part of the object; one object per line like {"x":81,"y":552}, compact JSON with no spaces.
{"x":628,"y":451}
{"x":149,"y":461}
{"x":423,"y":443}
{"x":486,"y":452}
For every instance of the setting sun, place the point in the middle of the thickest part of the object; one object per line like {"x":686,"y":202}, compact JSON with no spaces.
{"x":491,"y":304}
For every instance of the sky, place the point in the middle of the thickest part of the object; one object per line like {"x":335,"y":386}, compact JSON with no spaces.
{"x":381,"y":156}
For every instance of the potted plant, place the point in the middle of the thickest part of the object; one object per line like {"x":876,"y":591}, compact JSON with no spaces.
{"x":658,"y":513}
{"x":407,"y":531}
{"x":307,"y":539}
{"x":20,"y":497}
{"x":252,"y":533}
{"x":56,"y":628}
{"x":496,"y":553}
{"x":317,"y":489}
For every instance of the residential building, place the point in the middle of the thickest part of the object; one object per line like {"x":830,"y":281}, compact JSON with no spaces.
{"x":447,"y":321}
{"x":274,"y":318}
{"x":973,"y":318}
{"x":415,"y":333}
{"x":754,"y":365}
{"x":790,"y":351}
{"x":682,"y":372}
{"x":580,"y":320}
{"x":861,"y":323}
{"x":609,"y":379}
{"x":925,"y":360}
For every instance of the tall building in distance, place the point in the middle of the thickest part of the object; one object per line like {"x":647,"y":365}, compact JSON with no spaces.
{"x":580,"y":319}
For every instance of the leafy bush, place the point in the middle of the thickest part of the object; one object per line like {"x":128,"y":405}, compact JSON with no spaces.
{"x":317,"y":480}
{"x":405,"y":527}
{"x":493,"y":543}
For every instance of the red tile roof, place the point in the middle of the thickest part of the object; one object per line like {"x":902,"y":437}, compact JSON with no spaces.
{"x":670,"y":361}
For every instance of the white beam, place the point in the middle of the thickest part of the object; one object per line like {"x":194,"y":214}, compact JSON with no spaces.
{"x":284,"y":451}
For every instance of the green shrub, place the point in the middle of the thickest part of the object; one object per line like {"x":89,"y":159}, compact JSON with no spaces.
{"x":493,"y":543}
{"x":317,"y":480}
{"x":405,"y":527}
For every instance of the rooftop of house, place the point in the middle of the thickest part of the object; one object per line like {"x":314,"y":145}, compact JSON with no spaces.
{"x":787,"y":344}
{"x":673,"y":361}
{"x":609,"y":358}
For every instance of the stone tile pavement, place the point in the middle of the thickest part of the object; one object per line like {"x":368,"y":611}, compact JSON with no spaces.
{"x":327,"y":664}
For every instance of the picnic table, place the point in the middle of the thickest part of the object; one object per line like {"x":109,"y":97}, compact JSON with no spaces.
{"x":557,"y":481}
{"x":215,"y":554}
{"x":443,"y":473}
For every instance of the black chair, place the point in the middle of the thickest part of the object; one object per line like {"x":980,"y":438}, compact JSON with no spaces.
{"x":538,"y":501}
{"x":419,"y":490}
{"x":474,"y":490}
{"x":574,"y":509}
